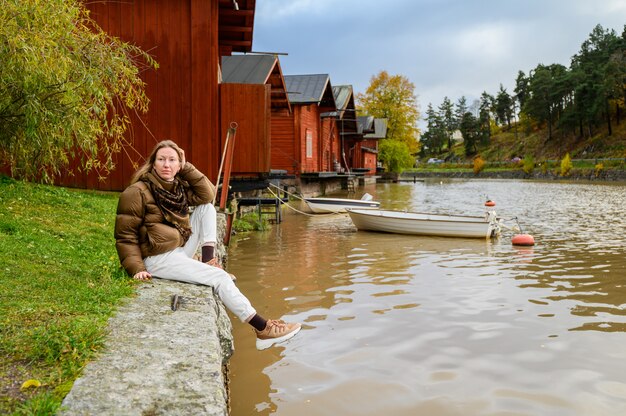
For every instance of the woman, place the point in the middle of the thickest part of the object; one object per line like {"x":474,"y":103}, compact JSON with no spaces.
{"x":157,"y":236}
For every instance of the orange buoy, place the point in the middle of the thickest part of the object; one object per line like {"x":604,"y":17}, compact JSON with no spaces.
{"x":523,"y":240}
{"x":490,"y":203}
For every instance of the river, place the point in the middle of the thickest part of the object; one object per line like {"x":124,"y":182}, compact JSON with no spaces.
{"x":405,"y":325}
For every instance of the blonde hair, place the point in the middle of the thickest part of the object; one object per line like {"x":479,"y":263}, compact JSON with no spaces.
{"x":149,"y":163}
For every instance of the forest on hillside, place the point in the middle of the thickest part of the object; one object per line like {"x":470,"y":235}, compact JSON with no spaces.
{"x":568,"y":105}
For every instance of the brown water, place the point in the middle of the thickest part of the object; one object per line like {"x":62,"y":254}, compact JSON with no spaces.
{"x":407,"y":325}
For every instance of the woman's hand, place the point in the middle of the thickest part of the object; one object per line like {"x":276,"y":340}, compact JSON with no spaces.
{"x":182,"y":159}
{"x":144,"y":275}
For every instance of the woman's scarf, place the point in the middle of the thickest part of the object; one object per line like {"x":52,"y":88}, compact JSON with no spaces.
{"x":172,"y":202}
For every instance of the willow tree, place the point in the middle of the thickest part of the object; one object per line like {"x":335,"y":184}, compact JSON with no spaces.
{"x":66,"y":88}
{"x":392,"y":97}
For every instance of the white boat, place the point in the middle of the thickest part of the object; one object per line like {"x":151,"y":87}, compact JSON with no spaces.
{"x":326,"y":205}
{"x":417,"y":223}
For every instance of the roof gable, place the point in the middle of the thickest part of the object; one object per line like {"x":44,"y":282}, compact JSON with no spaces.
{"x":308,"y":89}
{"x":365,"y":124}
{"x":257,"y":69}
{"x":343,"y":94}
{"x":247,"y":69}
{"x":380,"y":129}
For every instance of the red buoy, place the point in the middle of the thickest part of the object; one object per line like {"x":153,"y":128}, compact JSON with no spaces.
{"x":523,"y":240}
{"x":490,"y":203}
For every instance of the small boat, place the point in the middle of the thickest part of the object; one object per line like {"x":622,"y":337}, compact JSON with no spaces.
{"x":327,"y":205}
{"x":417,"y":223}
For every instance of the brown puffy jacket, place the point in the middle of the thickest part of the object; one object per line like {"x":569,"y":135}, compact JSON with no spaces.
{"x":140,"y":228}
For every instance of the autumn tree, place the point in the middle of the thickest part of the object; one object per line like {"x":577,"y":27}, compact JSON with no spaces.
{"x":392,"y":97}
{"x":66,"y":88}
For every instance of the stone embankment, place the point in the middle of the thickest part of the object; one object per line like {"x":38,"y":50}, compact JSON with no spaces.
{"x":160,"y":361}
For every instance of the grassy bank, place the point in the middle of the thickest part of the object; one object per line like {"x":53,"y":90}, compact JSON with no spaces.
{"x":581,"y":167}
{"x":60,"y":283}
{"x":529,"y":141}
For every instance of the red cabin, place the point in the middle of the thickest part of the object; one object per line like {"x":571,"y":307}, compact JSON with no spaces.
{"x":187,"y":38}
{"x":364,"y":153}
{"x":336,"y":126}
{"x":253,"y":95}
{"x":297,"y":137}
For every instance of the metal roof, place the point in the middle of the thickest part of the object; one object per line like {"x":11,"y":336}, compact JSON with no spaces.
{"x":342,"y":95}
{"x":365,"y":124}
{"x":343,"y":99}
{"x":247,"y":69}
{"x":306,"y":88}
{"x":380,"y":129}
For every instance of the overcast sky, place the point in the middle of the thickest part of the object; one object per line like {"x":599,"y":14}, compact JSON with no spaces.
{"x":448,"y":48}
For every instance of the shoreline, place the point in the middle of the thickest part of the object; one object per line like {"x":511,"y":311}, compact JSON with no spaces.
{"x":576,"y":175}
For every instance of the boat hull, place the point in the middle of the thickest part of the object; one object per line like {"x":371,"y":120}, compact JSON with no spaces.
{"x":425,"y":224}
{"x":333,"y":205}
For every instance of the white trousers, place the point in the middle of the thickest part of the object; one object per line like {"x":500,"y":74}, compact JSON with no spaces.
{"x":179,"y":264}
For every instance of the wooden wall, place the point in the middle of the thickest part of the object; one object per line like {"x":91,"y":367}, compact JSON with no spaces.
{"x":369,"y":161}
{"x":182,"y":35}
{"x":289,"y":141}
{"x":248,"y":105}
{"x":283,"y":143}
{"x":307,"y":118}
{"x":327,"y":139}
{"x":336,"y":147}
{"x":362,"y":158}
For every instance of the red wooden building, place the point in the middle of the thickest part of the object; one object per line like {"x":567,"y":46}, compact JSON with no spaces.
{"x":364,"y":152}
{"x":187,"y":38}
{"x":253,"y":95}
{"x":297,"y":145}
{"x":339,"y":125}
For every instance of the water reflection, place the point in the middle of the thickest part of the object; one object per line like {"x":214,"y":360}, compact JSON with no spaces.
{"x":409,"y":325}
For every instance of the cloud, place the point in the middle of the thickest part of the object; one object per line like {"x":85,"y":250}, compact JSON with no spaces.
{"x":273,"y":10}
{"x":447,"y":48}
{"x":607,"y":7}
{"x":490,"y":42}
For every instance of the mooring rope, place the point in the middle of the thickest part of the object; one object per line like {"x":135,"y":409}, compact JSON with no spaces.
{"x":293,"y":208}
{"x":516,"y":228}
{"x":287,"y":192}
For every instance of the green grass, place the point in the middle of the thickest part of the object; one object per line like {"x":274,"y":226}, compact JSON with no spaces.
{"x":60,"y":282}
{"x":250,"y":222}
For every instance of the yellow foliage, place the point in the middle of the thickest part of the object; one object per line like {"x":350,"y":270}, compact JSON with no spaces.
{"x":529,"y":164}
{"x":566,"y":165}
{"x":393,"y":97}
{"x":599,"y":168}
{"x":30,"y":383}
{"x":479,"y":165}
